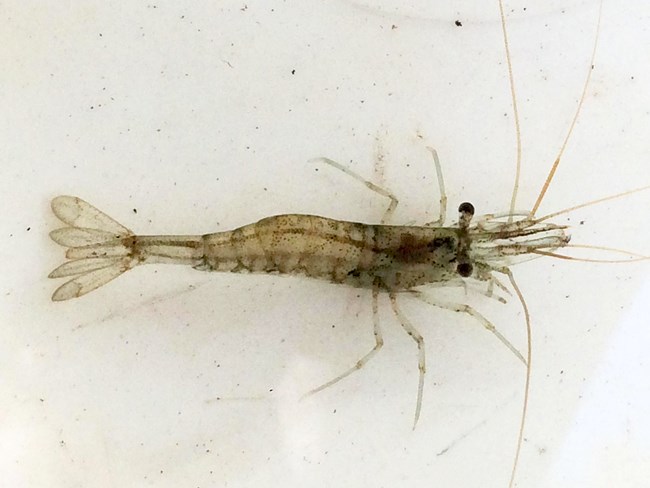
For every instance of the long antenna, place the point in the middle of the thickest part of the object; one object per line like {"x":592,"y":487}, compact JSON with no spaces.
{"x":633,"y":257}
{"x":593,"y":202}
{"x":529,"y":355}
{"x":515,"y":110}
{"x":551,"y":173}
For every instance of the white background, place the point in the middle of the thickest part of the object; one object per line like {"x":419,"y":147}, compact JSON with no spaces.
{"x":194,"y":117}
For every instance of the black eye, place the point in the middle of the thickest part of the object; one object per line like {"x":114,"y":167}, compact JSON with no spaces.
{"x":465,"y":269}
{"x":467,"y":208}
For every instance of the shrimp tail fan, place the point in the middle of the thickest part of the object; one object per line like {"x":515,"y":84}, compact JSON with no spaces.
{"x":99,"y":249}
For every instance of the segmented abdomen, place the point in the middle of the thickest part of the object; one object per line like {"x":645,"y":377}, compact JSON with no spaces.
{"x":353,"y":253}
{"x":293,"y":244}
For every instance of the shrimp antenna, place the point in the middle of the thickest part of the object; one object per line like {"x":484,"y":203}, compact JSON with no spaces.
{"x":556,"y":163}
{"x":529,"y":354}
{"x":515,"y":110}
{"x":633,"y":257}
{"x":592,"y":202}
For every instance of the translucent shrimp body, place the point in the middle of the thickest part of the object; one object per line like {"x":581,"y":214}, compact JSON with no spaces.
{"x":390,"y":257}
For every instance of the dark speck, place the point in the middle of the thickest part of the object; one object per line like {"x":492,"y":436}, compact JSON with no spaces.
{"x":464,"y":269}
{"x":458,"y":23}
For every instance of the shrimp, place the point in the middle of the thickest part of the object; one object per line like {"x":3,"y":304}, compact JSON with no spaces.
{"x":384,"y":258}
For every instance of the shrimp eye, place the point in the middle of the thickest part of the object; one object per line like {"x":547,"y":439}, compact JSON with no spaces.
{"x":465,"y":269}
{"x":466,"y":208}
